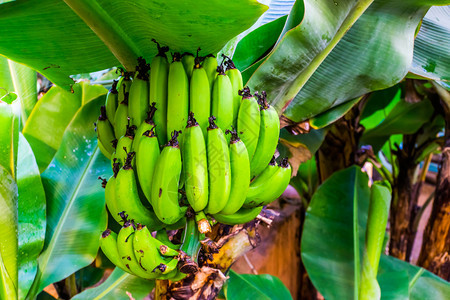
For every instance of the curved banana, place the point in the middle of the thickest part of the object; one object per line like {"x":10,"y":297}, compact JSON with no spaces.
{"x":243,"y":215}
{"x":210,"y":66}
{"x":161,"y":235}
{"x":269,"y":133}
{"x":164,"y":190}
{"x":105,"y":131}
{"x":146,"y":157}
{"x":195,"y":165}
{"x":121,"y":118}
{"x":124,"y":86}
{"x":263,"y":179}
{"x":125,"y":240}
{"x":188,"y":63}
{"x":222,"y":100}
{"x":147,"y":252}
{"x":177,"y":96}
{"x":112,"y":102}
{"x":138,"y":96}
{"x":248,"y":121}
{"x":159,"y":70}
{"x":240,"y":175}
{"x":148,"y":124}
{"x":128,"y":199}
{"x":124,"y":145}
{"x":237,"y":84}
{"x":103,"y":150}
{"x":108,"y":244}
{"x":218,"y":168}
{"x":273,"y":188}
{"x":200,"y":95}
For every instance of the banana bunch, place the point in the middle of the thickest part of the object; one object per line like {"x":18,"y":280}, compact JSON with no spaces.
{"x":187,"y":135}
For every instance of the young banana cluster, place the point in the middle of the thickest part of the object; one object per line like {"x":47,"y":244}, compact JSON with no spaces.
{"x":188,"y":134}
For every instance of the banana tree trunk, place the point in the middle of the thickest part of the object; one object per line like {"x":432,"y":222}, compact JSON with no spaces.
{"x":434,"y":254}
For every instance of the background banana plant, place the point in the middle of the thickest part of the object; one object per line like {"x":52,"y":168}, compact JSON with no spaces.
{"x":315,"y":59}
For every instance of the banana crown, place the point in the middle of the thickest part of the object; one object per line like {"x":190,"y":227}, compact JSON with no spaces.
{"x":262,"y":100}
{"x":142,"y":69}
{"x":212,"y":124}
{"x":113,"y":89}
{"x":161,"y":50}
{"x":130,"y":155}
{"x":191,"y":122}
{"x":245,"y":93}
{"x":102,"y":116}
{"x":173,"y":142}
{"x":234,"y":135}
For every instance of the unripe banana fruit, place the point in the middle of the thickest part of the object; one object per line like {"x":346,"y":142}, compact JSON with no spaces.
{"x":138,"y":94}
{"x":222,"y":100}
{"x":248,"y":122}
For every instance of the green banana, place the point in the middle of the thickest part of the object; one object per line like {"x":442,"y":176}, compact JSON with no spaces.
{"x":240,"y":175}
{"x":103,"y":150}
{"x":164,"y":190}
{"x":138,"y":96}
{"x":262,"y":179}
{"x":269,"y":133}
{"x":147,"y":252}
{"x":161,"y":235}
{"x":177,"y":96}
{"x":105,"y":131}
{"x":148,"y":124}
{"x":200,"y":95}
{"x":121,"y":118}
{"x":274,"y":186}
{"x":159,"y":69}
{"x":146,"y":157}
{"x":108,"y":244}
{"x":237,"y":84}
{"x":248,"y":121}
{"x":127,"y":197}
{"x":195,"y":165}
{"x":125,"y":248}
{"x":243,"y":215}
{"x":112,"y":102}
{"x":222,"y":100}
{"x":210,"y":66}
{"x":110,"y":196}
{"x":188,"y":63}
{"x":124,"y":86}
{"x":124,"y":145}
{"x":218,"y":168}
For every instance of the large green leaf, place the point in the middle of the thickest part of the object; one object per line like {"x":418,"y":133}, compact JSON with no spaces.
{"x":31,"y":214}
{"x":62,"y":46}
{"x":334,"y":54}
{"x":333,"y":231}
{"x":117,"y":286}
{"x":25,"y":81}
{"x":422,"y":284}
{"x":249,"y":286}
{"x":6,"y":83}
{"x":431,"y":55}
{"x":54,"y":111}
{"x":76,"y":212}
{"x":8,"y":235}
{"x":404,"y":118}
{"x":9,"y":135}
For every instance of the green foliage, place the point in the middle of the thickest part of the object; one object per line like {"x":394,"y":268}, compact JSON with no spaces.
{"x":249,"y":286}
{"x":117,"y":286}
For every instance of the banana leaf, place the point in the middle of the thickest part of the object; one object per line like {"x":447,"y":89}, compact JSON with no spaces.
{"x":431,"y":55}
{"x":8,"y":235}
{"x":333,"y":239}
{"x":76,"y":213}
{"x":46,"y":125}
{"x":249,"y":286}
{"x":63,"y":46}
{"x":333,"y":54}
{"x":119,"y":286}
{"x":31,"y":214}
